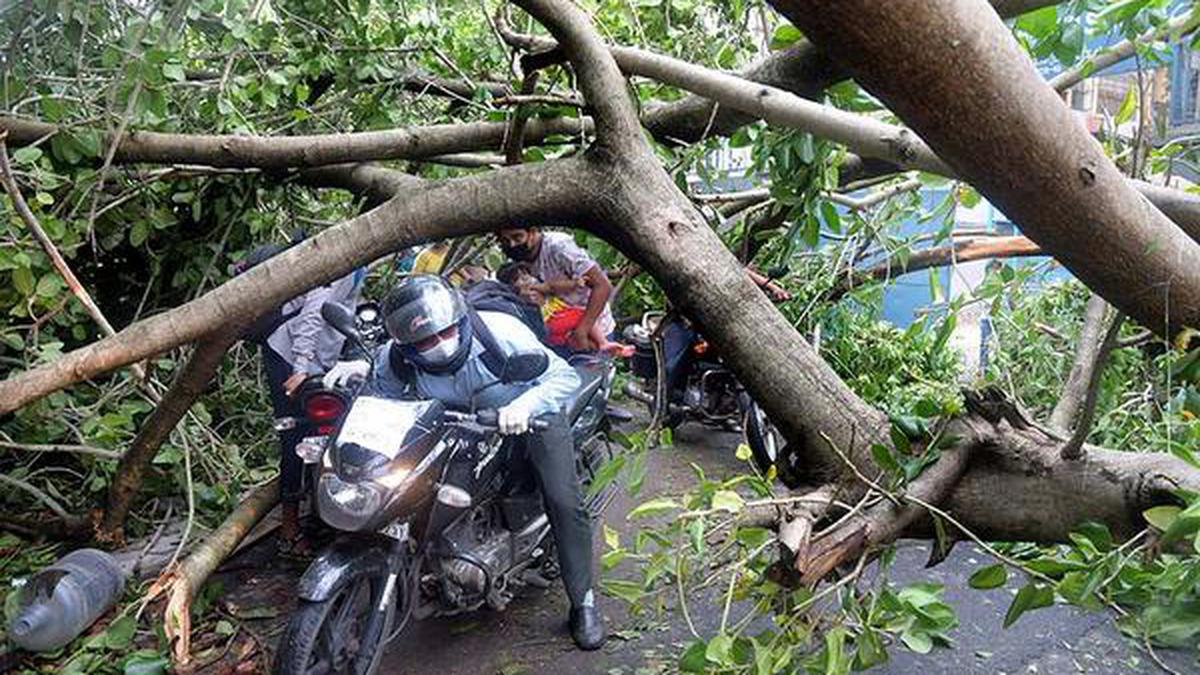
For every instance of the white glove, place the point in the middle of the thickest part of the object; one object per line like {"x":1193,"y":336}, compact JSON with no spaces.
{"x":514,"y":418}
{"x":343,"y":371}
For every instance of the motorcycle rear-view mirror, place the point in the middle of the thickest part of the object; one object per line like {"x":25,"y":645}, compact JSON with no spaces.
{"x":341,"y":318}
{"x":524,"y":366}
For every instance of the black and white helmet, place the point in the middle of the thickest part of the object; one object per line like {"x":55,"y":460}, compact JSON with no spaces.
{"x":428,"y":318}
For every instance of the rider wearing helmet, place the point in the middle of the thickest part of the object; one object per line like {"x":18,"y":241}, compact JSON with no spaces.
{"x":437,"y":350}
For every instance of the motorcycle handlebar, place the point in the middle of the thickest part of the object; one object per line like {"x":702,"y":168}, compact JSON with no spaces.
{"x":491,"y":418}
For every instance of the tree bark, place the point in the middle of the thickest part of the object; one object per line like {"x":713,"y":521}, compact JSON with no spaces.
{"x":537,"y":194}
{"x":1087,"y":356}
{"x":285,"y":152}
{"x":897,"y":148}
{"x":801,"y":69}
{"x":988,"y":113}
{"x":190,"y":382}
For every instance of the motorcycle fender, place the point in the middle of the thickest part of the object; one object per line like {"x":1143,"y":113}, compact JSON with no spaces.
{"x":337,"y":564}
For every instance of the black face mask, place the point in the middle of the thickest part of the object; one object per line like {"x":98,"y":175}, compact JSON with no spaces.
{"x":520,"y":252}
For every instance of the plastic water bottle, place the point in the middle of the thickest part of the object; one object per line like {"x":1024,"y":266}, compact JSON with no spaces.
{"x":62,"y":600}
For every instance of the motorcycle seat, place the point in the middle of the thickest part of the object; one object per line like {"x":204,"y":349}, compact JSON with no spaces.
{"x":592,"y":371}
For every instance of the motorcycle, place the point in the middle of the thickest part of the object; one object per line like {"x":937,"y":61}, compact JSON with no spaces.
{"x":699,"y":387}
{"x":437,"y":513}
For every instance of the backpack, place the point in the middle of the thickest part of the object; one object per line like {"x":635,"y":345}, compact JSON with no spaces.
{"x":494,"y":296}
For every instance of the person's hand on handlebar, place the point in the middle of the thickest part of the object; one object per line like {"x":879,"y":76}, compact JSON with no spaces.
{"x":343,"y":371}
{"x":514,"y":418}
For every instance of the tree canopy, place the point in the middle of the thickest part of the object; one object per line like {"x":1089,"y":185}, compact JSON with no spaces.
{"x":147,"y":146}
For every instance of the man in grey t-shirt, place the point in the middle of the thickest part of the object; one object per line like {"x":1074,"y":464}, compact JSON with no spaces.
{"x":567,"y":271}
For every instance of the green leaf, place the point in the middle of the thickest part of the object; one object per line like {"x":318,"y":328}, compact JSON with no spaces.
{"x":727,"y":500}
{"x":606,"y":474}
{"x":1039,"y":23}
{"x":883,"y":458}
{"x":23,"y":281}
{"x":612,"y":538}
{"x":1161,"y":517}
{"x":743,"y":452}
{"x":1128,"y":107}
{"x":718,"y":650}
{"x":612,"y":558}
{"x":870,"y":651}
{"x":653,"y":507}
{"x":753,"y":537}
{"x":173,"y":71}
{"x":936,"y":295}
{"x":1097,"y":534}
{"x":1032,"y":596}
{"x":836,"y":662}
{"x":992,"y":576}
{"x":26,"y":156}
{"x":693,"y":660}
{"x":918,"y":641}
{"x":785,"y":36}
{"x":145,"y":663}
{"x":49,"y":285}
{"x":120,"y":633}
{"x":696,"y":535}
{"x":629,"y":591}
{"x":138,"y":233}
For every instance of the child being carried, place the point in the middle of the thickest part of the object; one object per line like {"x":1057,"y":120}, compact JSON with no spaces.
{"x":560,"y":317}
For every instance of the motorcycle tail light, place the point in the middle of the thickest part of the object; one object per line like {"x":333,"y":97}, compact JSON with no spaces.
{"x":323,"y":410}
{"x":700,"y":347}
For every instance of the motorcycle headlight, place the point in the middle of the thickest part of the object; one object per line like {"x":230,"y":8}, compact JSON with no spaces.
{"x":347,"y":506}
{"x":393,"y":478}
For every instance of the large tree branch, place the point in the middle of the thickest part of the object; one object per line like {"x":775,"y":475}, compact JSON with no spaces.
{"x":286,"y":152}
{"x":543,"y":193}
{"x":801,"y":69}
{"x":1015,"y":141}
{"x":190,"y":382}
{"x":599,"y":78}
{"x":900,"y":148}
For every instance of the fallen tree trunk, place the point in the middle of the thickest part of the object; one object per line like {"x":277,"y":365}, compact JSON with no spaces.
{"x":452,"y":208}
{"x":1012,"y":138}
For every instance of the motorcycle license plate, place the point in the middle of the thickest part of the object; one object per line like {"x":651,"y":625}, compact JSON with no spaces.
{"x":380,"y":424}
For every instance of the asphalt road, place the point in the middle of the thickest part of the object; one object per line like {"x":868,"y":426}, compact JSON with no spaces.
{"x":530,"y":636}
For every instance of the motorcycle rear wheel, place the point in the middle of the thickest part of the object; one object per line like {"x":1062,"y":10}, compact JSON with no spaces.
{"x":344,"y":634}
{"x":761,"y":435}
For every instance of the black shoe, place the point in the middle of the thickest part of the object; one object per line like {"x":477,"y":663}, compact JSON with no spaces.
{"x":587,"y":628}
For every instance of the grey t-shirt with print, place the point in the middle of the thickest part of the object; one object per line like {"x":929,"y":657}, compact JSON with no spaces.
{"x":560,"y":258}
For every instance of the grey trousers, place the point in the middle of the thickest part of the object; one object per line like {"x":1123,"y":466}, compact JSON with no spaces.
{"x":552,"y":454}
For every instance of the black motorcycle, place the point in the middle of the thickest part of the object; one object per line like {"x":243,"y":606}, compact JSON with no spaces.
{"x":695,"y":385}
{"x":437,"y":514}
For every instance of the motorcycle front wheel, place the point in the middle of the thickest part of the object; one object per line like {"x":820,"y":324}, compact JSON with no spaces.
{"x":343,"y":635}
